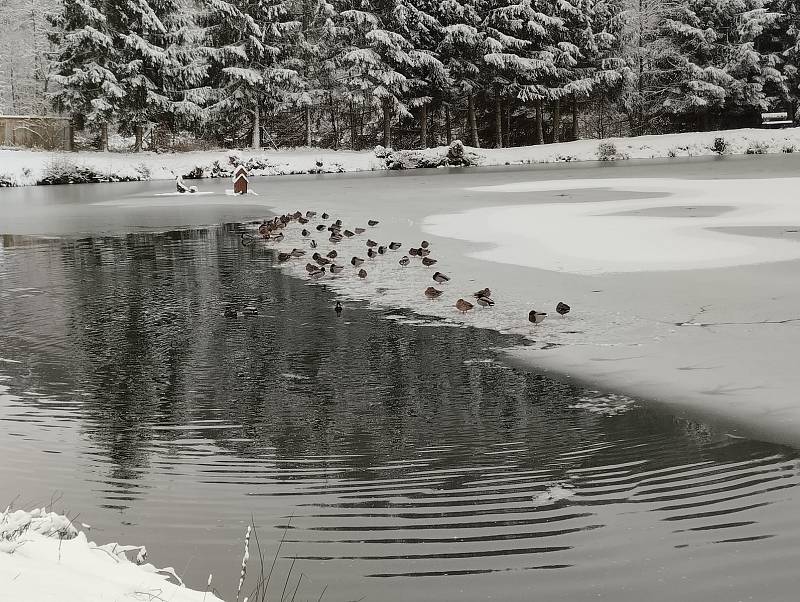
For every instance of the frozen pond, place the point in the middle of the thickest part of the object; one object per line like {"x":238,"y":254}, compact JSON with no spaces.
{"x":407,"y":459}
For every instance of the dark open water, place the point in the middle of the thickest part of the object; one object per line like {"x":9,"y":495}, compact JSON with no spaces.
{"x":408,"y":462}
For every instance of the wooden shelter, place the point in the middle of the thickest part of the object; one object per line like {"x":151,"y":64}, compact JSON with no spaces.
{"x":36,"y":131}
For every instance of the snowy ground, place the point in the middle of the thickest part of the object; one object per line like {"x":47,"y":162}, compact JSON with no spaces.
{"x":26,"y":167}
{"x":44,"y":558}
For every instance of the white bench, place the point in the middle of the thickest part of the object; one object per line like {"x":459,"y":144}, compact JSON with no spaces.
{"x":776,"y":120}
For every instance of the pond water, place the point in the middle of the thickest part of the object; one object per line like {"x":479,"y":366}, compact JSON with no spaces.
{"x":397,"y":458}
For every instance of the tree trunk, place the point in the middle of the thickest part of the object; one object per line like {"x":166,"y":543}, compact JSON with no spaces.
{"x":334,"y":124}
{"x":508,"y":124}
{"x":575,"y":118}
{"x":308,"y":126}
{"x":353,"y":127}
{"x":256,"y":143}
{"x":139,"y":133}
{"x":103,"y":137}
{"x":423,"y":127}
{"x":473,"y":124}
{"x":498,"y":117}
{"x":387,"y":123}
{"x":539,"y":124}
{"x":447,"y":125}
{"x":555,"y":137}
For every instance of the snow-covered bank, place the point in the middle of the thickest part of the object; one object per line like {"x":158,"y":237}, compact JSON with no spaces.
{"x":44,"y":558}
{"x":26,"y":167}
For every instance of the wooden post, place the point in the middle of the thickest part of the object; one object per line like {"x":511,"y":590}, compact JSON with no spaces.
{"x":104,"y":137}
{"x":473,"y":124}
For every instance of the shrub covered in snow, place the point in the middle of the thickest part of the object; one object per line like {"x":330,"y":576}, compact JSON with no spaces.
{"x":607,"y":151}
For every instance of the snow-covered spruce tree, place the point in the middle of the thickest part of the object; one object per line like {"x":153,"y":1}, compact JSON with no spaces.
{"x":718,"y":64}
{"x":520,"y":58}
{"x":785,"y":45}
{"x":243,"y":42}
{"x":461,"y":50}
{"x":84,"y":69}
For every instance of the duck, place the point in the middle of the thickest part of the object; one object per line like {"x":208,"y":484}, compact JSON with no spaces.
{"x":362,"y":273}
{"x":297,"y":252}
{"x":325,"y":216}
{"x":485,"y":302}
{"x":423,"y":252}
{"x":336,"y":269}
{"x":356,"y":261}
{"x":263,"y":229}
{"x":433,"y":293}
{"x":338,"y":223}
{"x":247,"y":239}
{"x":321,"y":227}
{"x":278,"y":237}
{"x":404,"y":261}
{"x":335,"y":238}
{"x":381,"y":250}
{"x":360,"y":230}
{"x":332,"y":254}
{"x":284,"y":256}
{"x":535,"y":317}
{"x":313,"y":244}
{"x":310,"y":267}
{"x":427,"y":261}
{"x":371,"y":253}
{"x":322,"y":261}
{"x":413,"y":252}
{"x":318,"y":274}
{"x":395,"y":245}
{"x":338,"y":308}
{"x":230,"y":312}
{"x":562,"y":309}
{"x":440,"y":278}
{"x":305,"y":232}
{"x":348,"y":234}
{"x":424,"y":244}
{"x":371,"y":243}
{"x":311,"y":214}
{"x":463,"y":306}
{"x":373,"y":222}
{"x":302,"y":220}
{"x":485,"y":292}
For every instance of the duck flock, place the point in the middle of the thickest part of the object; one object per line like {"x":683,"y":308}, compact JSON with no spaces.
{"x":323,"y":264}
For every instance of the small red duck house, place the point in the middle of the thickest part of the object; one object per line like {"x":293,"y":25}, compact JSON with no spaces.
{"x":240,"y":180}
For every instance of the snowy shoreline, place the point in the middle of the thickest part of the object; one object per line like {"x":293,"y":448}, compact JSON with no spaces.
{"x":19,"y":167}
{"x":45,"y":558}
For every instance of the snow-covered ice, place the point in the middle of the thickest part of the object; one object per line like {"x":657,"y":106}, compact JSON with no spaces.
{"x":45,"y":558}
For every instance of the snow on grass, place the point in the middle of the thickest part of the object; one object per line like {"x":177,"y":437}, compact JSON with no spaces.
{"x":44,"y":558}
{"x":27,"y":167}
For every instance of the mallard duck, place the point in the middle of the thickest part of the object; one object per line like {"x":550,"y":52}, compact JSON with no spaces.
{"x":356,"y":261}
{"x":362,"y":273}
{"x":321,"y":227}
{"x":562,"y":309}
{"x":298,"y":252}
{"x":395,"y":245}
{"x":263,"y":229}
{"x":338,"y":223}
{"x":423,"y":252}
{"x":463,"y":306}
{"x":536,"y":317}
{"x":305,"y":232}
{"x":325,"y":216}
{"x":381,"y":250}
{"x":371,"y":253}
{"x":322,"y":261}
{"x":440,"y":278}
{"x":335,"y":238}
{"x":404,"y":261}
{"x":371,"y":243}
{"x":360,"y":230}
{"x":424,"y":244}
{"x":318,"y":274}
{"x":413,"y":252}
{"x":427,"y":261}
{"x":373,"y":222}
{"x":348,"y":234}
{"x":433,"y":293}
{"x":482,"y":293}
{"x":284,"y":256}
{"x":313,"y":244}
{"x":485,"y":302}
{"x":311,"y":214}
{"x":310,"y":267}
{"x":332,"y":254}
{"x":338,"y":308}
{"x":336,"y":269}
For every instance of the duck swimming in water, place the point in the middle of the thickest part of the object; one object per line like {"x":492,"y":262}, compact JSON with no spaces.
{"x":338,"y":308}
{"x":336,"y":269}
{"x":284,"y":256}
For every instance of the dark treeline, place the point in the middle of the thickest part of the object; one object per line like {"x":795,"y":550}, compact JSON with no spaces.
{"x":355,"y":73}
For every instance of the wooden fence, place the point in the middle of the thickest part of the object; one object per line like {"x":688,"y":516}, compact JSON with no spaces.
{"x":33,"y":131}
